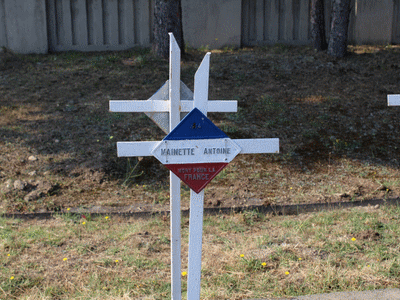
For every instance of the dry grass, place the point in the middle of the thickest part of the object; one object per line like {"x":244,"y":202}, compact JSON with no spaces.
{"x":339,"y":140}
{"x":245,"y":255}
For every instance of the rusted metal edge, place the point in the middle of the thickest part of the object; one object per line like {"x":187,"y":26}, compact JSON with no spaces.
{"x":293,"y":209}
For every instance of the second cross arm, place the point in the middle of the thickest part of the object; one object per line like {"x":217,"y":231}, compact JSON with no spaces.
{"x":247,"y":146}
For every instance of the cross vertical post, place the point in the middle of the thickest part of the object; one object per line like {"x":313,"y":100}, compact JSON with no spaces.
{"x":200,"y":99}
{"x":175,"y":182}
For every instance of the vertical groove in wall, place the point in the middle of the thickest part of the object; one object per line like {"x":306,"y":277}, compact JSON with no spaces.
{"x":3,"y":25}
{"x":73,"y":27}
{"x":396,"y":25}
{"x":151,"y":19}
{"x":135,"y":25}
{"x":281,"y":19}
{"x":51,"y":23}
{"x":105,"y":21}
{"x":253,"y":28}
{"x":268,"y":20}
{"x":351,"y":28}
{"x":265,"y":29}
{"x":265,"y":12}
{"x":248,"y":17}
{"x":121,"y":27}
{"x":328,"y":17}
{"x":296,"y":19}
{"x":309,"y":23}
{"x":244,"y":23}
{"x":59,"y":20}
{"x":89,"y":18}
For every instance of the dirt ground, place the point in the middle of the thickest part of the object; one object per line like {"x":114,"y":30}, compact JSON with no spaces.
{"x":339,"y":141}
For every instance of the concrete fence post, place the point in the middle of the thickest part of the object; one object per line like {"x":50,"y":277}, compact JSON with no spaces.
{"x":24,"y":28}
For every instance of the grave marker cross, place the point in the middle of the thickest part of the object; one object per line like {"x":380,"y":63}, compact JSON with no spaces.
{"x":192,"y":139}
{"x":166,"y":109}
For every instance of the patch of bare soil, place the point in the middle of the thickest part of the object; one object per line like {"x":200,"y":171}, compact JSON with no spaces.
{"x":339,"y":141}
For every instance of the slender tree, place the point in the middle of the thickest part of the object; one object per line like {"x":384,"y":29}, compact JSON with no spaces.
{"x":337,"y":46}
{"x":318,"y":25}
{"x":167,"y":18}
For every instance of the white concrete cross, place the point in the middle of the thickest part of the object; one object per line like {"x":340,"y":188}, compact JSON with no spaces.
{"x":174,"y":106}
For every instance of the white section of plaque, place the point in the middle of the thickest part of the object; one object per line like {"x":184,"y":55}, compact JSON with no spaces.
{"x":196,"y":151}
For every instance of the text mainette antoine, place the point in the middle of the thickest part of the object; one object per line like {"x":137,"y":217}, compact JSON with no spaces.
{"x":191,"y":151}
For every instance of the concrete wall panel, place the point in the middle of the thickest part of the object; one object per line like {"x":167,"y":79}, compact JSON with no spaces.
{"x":374,"y":21}
{"x":304,"y":21}
{"x":3,"y":31}
{"x":144,"y":12}
{"x":396,"y":21}
{"x":211,"y":23}
{"x":34,"y":26}
{"x":79,"y":24}
{"x":26,"y":26}
{"x":288,"y":20}
{"x":272,"y":16}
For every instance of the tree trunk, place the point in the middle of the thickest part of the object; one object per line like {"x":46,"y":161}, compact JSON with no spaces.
{"x":167,"y":18}
{"x":339,"y":28}
{"x":318,"y":25}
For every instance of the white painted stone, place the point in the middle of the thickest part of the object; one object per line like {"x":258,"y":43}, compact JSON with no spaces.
{"x":32,"y":158}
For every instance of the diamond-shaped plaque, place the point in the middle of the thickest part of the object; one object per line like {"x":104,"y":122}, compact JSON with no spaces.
{"x":196,"y":150}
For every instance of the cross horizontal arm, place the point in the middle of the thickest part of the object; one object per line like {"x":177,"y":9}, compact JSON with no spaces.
{"x":130,"y":149}
{"x":252,"y":146}
{"x":163,"y":106}
{"x":393,"y":100}
{"x":247,"y":146}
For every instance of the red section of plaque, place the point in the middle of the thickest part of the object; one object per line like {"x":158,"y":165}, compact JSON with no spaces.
{"x":196,"y":176}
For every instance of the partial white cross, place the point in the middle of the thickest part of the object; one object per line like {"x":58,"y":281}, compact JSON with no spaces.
{"x":393,"y":100}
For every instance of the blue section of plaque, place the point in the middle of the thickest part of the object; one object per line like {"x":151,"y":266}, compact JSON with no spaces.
{"x":195,"y":126}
